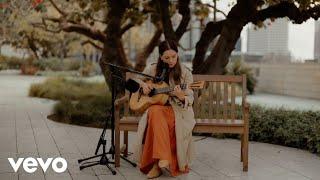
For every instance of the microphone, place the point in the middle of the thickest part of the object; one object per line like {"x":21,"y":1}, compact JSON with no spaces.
{"x":163,"y":73}
{"x":132,"y":86}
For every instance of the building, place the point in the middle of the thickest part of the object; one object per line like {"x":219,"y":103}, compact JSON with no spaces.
{"x":237,"y":47}
{"x":317,"y":41}
{"x":270,"y":40}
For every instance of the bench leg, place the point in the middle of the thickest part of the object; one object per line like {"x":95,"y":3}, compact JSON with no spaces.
{"x":241,"y":149}
{"x":245,"y":151}
{"x":117,"y":147}
{"x":125,"y":140}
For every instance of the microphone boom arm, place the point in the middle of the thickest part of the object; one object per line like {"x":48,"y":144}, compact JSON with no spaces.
{"x":131,"y":70}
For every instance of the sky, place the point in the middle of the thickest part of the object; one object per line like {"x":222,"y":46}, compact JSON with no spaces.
{"x":301,"y":36}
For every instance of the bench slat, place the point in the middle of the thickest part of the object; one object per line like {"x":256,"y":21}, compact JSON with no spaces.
{"x":225,"y":100}
{"x":211,"y":100}
{"x":218,"y":93}
{"x":199,"y":122}
{"x":195,"y":102}
{"x":217,"y":78}
{"x":233,"y":99}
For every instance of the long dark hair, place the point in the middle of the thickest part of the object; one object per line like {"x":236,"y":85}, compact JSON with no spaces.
{"x":174,"y":72}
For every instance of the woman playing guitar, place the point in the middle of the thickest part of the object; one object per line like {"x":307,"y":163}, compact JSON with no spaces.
{"x":164,"y":137}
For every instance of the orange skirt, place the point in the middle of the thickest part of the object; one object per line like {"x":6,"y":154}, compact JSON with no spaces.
{"x":160,"y":140}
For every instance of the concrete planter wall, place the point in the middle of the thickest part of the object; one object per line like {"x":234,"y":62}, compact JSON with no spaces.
{"x":294,"y":79}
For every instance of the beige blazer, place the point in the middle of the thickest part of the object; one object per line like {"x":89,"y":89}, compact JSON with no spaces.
{"x":184,"y":122}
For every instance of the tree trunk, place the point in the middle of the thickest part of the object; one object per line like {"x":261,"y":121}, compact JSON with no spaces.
{"x":237,"y":18}
{"x":142,"y":56}
{"x":113,"y":51}
{"x":166,"y":20}
{"x":219,"y":57}
{"x":212,"y":30}
{"x":33,"y":47}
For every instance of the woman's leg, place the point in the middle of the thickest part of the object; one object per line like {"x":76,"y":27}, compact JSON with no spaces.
{"x":157,"y":139}
{"x":160,"y":140}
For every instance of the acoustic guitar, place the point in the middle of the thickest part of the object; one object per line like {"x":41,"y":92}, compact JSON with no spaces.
{"x":139,"y":102}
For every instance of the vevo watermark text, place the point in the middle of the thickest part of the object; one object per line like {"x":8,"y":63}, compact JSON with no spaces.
{"x":30,"y":164}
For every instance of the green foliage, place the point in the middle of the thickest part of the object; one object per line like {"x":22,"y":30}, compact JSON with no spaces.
{"x":11,"y":62}
{"x":299,"y":129}
{"x":60,"y":88}
{"x":56,"y":64}
{"x":81,"y":102}
{"x":86,"y":112}
{"x":293,"y":128}
{"x":52,"y":64}
{"x":201,"y":10}
{"x":238,"y":67}
{"x":87,"y":69}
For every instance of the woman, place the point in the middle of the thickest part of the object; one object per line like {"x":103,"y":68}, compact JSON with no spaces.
{"x":164,"y":137}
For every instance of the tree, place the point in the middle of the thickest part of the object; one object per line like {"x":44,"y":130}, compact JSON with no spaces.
{"x":105,"y":22}
{"x":17,"y":31}
{"x":229,"y":29}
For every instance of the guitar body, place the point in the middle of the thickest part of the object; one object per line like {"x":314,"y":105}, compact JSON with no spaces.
{"x":159,"y":95}
{"x":140,"y":102}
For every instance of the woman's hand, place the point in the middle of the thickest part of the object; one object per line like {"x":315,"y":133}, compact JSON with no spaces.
{"x":178,"y":92}
{"x":146,"y":87}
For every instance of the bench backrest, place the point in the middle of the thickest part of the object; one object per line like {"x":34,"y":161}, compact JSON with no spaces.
{"x":220,"y":97}
{"x":217,"y":100}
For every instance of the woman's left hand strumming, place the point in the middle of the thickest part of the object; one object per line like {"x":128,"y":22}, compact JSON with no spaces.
{"x":178,"y":92}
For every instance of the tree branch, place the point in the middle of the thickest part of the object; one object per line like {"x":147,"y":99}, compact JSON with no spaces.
{"x":84,"y":30}
{"x":57,"y":8}
{"x":166,"y":20}
{"x":184,"y":10}
{"x":126,"y":28}
{"x":287,"y":9}
{"x":211,"y":31}
{"x":216,"y":9}
{"x":92,"y":43}
{"x":45,"y":27}
{"x":78,"y":28}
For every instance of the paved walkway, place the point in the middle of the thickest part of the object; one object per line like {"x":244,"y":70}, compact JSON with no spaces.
{"x":26,"y":132}
{"x":288,"y":102}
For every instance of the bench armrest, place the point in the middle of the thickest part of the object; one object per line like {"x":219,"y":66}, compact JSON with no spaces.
{"x":246,"y":108}
{"x":121,"y":100}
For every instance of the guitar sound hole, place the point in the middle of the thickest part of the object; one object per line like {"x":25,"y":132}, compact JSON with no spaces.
{"x":152,"y":92}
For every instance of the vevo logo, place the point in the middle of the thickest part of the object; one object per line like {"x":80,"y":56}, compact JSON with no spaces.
{"x":30,"y":164}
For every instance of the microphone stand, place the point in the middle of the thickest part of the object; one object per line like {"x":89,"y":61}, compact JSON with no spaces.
{"x":104,"y":160}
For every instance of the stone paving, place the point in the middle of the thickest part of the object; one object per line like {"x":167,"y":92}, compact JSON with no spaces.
{"x":26,"y":132}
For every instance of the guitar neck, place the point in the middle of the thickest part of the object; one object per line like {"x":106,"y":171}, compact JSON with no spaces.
{"x":169,"y":89}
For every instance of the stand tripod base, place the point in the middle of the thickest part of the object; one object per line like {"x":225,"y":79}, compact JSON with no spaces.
{"x":132,"y":163}
{"x":103,"y":161}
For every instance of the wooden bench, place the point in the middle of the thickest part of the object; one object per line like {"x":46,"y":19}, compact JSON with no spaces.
{"x":215,"y":110}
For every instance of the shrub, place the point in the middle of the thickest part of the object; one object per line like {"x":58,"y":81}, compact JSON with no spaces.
{"x":56,"y":64}
{"x":293,"y":128}
{"x":53,"y":64}
{"x":11,"y":62}
{"x":238,"y":67}
{"x":72,"y":65}
{"x":15,"y":63}
{"x":86,"y":112}
{"x":60,"y":88}
{"x":3,"y":66}
{"x":81,"y":102}
{"x":87,"y":68}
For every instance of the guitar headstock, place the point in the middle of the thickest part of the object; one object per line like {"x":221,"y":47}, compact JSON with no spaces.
{"x":197,"y":85}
